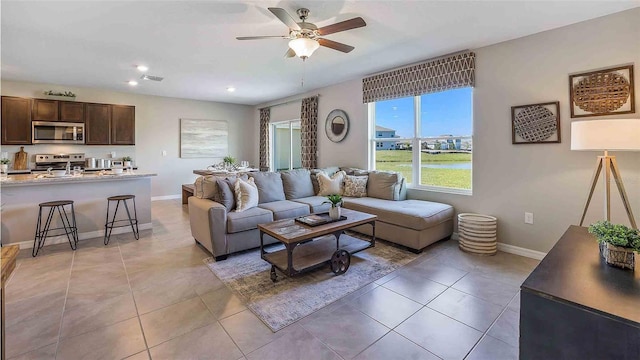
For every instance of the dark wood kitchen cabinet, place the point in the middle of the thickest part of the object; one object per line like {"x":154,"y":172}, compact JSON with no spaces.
{"x":16,"y":121}
{"x":123,"y":125}
{"x":71,"y":111}
{"x":45,"y":110}
{"x":97,"y":124}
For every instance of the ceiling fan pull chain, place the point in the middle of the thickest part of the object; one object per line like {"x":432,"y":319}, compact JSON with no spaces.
{"x":304,"y":62}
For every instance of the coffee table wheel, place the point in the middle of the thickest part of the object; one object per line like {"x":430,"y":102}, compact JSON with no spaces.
{"x":274,"y":276}
{"x":340,"y":262}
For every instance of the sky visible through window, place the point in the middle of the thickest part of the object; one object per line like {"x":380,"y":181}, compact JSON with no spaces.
{"x":443,"y":113}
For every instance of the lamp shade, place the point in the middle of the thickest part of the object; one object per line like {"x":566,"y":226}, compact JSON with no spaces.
{"x":614,"y":135}
{"x":304,"y":47}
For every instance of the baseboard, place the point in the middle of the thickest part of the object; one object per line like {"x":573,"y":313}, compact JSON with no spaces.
{"x":166,"y":197}
{"x":511,"y":249}
{"x":81,"y":236}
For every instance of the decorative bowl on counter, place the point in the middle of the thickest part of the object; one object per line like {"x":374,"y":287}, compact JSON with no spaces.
{"x":58,"y":173}
{"x":117,"y":171}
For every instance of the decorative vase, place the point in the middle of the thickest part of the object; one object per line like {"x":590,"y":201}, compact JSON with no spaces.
{"x":334,"y":212}
{"x":127,"y":164}
{"x":617,"y":256}
{"x":4,"y":168}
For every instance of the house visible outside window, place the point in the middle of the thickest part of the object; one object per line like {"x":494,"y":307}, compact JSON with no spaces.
{"x":427,"y":138}
{"x":286,"y":145}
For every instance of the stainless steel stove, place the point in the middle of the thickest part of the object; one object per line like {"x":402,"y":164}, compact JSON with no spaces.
{"x":58,"y":161}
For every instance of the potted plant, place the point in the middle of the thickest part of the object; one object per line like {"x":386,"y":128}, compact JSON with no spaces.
{"x":617,"y":243}
{"x":336,"y":202}
{"x":229,"y":161}
{"x":126,"y":161}
{"x":4,"y":165}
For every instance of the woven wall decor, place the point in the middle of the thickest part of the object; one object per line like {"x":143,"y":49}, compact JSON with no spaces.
{"x":535,"y":123}
{"x":602,"y":92}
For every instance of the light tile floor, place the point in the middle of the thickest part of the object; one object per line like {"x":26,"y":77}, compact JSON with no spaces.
{"x":155,"y":298}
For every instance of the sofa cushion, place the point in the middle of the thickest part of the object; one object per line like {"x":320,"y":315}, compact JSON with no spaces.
{"x":269,"y":186}
{"x":297,"y":184}
{"x":285,"y":209}
{"x":413,"y":214}
{"x":226,"y":191}
{"x":331,"y":185}
{"x":248,"y":219}
{"x":355,"y":186}
{"x":384,"y":185}
{"x":315,"y":203}
{"x":246,"y":194}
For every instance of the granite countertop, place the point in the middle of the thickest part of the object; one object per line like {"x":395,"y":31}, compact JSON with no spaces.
{"x":32,"y":179}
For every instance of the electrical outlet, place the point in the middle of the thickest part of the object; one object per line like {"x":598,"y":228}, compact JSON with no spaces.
{"x":528,"y":218}
{"x":164,"y":152}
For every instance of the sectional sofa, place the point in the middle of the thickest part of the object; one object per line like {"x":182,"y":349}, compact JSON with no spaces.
{"x":282,"y":195}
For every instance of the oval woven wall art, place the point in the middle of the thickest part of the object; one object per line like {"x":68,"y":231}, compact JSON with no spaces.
{"x":601,"y":92}
{"x":535,"y":123}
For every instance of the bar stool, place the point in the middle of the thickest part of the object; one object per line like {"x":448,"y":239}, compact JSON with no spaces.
{"x":109,"y":225}
{"x":67,"y":227}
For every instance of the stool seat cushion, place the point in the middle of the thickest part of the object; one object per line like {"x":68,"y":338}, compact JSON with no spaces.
{"x":121,"y":197}
{"x":57,"y":203}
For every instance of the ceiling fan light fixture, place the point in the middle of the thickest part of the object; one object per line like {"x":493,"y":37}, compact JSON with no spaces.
{"x":303,"y":47}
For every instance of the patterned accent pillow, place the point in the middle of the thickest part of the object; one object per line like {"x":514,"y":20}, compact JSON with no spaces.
{"x":246,"y":194}
{"x":331,"y":185}
{"x":355,"y":186}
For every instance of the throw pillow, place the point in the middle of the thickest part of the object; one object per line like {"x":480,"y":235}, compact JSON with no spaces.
{"x":355,"y":186}
{"x":246,"y":194}
{"x":384,"y":185}
{"x":330,"y":185}
{"x":269,"y":186}
{"x":205,"y":187}
{"x":297,"y":184}
{"x":227,"y":196}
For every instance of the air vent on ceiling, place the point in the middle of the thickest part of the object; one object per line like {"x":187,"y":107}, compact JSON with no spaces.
{"x":151,"y":77}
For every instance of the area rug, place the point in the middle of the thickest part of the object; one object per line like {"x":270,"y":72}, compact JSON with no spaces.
{"x":290,"y":299}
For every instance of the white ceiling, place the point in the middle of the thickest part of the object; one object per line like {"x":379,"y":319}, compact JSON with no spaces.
{"x":192,"y":43}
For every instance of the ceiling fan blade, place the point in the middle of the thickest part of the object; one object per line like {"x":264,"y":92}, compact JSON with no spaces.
{"x":261,"y":37}
{"x":335,"y":45}
{"x":290,"y":53}
{"x":342,"y":26}
{"x":284,"y":16}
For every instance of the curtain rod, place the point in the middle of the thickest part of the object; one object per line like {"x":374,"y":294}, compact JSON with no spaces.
{"x":288,"y":101}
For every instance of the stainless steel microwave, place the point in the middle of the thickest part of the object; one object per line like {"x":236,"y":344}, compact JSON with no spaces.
{"x":50,"y":132}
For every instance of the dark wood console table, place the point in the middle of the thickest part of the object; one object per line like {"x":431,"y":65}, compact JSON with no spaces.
{"x":575,"y":306}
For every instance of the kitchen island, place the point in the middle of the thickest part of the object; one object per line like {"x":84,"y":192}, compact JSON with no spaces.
{"x":21,"y":195}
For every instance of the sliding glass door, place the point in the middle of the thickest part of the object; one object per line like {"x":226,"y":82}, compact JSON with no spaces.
{"x":286,"y":145}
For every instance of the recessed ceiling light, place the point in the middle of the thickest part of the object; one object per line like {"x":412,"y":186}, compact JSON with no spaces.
{"x":231,"y":89}
{"x":133,"y":83}
{"x":142,"y":68}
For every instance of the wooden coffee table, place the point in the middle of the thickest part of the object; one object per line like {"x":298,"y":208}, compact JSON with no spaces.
{"x":313,"y":248}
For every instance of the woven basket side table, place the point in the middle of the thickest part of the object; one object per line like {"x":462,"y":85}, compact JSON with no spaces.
{"x":478,"y":234}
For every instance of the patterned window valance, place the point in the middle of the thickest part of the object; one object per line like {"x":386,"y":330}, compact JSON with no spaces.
{"x":446,"y":73}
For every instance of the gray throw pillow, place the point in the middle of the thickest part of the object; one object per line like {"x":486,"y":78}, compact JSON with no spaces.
{"x":269,"y":186}
{"x":227,"y":195}
{"x":297,"y":184}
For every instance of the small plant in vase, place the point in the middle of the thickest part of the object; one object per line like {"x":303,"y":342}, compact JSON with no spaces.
{"x":336,"y":202}
{"x":4,"y":164}
{"x":617,"y":243}
{"x":229,"y":161}
{"x":126,"y":161}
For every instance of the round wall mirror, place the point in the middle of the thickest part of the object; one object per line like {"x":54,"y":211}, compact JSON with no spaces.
{"x":337,"y":125}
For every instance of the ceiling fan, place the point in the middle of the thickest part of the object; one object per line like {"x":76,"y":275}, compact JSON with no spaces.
{"x":305,"y":37}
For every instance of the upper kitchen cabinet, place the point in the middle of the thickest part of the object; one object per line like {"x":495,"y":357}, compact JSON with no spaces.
{"x":71,"y":111}
{"x":16,"y":121}
{"x":97,"y":124}
{"x":123,"y":125}
{"x":45,"y":110}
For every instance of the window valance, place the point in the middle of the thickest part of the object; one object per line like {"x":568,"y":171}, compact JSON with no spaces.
{"x":446,"y":73}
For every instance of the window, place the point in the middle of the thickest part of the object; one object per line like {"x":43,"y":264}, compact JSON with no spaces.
{"x":286,"y":145}
{"x":427,"y":138}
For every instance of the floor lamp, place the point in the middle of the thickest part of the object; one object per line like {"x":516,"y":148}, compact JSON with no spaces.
{"x":607,"y":135}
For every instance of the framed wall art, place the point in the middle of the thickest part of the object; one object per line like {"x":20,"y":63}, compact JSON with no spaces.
{"x":203,"y":138}
{"x":602,"y":92}
{"x":535,"y":123}
{"x":337,"y":125}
